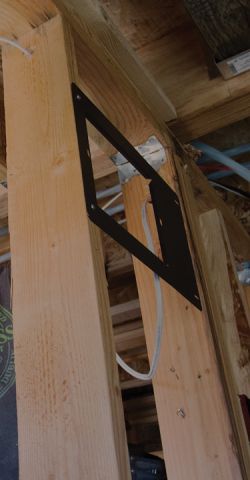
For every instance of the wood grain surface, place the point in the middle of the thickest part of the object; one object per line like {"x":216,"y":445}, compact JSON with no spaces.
{"x":187,"y":378}
{"x":70,"y":422}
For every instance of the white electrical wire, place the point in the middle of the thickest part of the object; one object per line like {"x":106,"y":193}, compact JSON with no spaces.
{"x":112,"y":200}
{"x":160,"y":311}
{"x":15,"y":44}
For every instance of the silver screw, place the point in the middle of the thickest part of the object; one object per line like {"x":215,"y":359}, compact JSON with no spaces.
{"x":181,"y":413}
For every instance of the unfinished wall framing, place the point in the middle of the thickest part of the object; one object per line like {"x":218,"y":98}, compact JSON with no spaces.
{"x":70,"y":418}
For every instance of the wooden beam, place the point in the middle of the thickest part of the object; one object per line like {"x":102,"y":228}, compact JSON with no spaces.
{"x":230,"y":317}
{"x":197,"y":443}
{"x":132,"y":339}
{"x":18,"y":18}
{"x":200,"y":121}
{"x":93,"y":30}
{"x":128,"y":93}
{"x":206,"y":198}
{"x":213,"y":304}
{"x":169,"y":46}
{"x":125,"y":311}
{"x":224,"y":26}
{"x":68,"y":396}
{"x":120,"y":100}
{"x":97,"y":31}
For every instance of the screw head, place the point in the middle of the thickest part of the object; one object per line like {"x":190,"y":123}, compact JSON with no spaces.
{"x":181,"y":413}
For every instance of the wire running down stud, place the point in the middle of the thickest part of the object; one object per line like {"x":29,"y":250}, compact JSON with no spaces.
{"x":15,"y":44}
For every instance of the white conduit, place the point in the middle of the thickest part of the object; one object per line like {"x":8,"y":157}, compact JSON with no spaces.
{"x":15,"y":44}
{"x":159,"y":314}
{"x":108,"y":192}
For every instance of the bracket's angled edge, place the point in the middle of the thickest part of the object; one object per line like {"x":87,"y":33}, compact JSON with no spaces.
{"x":185,"y":284}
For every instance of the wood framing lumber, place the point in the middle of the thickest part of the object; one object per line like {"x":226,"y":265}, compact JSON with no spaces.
{"x":230,"y":317}
{"x":207,"y":199}
{"x":201,"y":121}
{"x":96,"y":31}
{"x":197,"y":443}
{"x":168,"y":44}
{"x":132,"y":339}
{"x":128,"y":92}
{"x":125,"y":311}
{"x":93,"y":29}
{"x":232,"y":323}
{"x":224,"y":26}
{"x":70,"y":422}
{"x":18,"y":18}
{"x":213,"y":302}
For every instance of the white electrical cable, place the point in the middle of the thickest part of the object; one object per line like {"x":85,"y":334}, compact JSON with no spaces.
{"x":112,"y":200}
{"x":159,"y":307}
{"x":15,"y":44}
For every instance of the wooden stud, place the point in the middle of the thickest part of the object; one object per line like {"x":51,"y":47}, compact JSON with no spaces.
{"x":215,"y":312}
{"x":206,"y":198}
{"x":70,"y":422}
{"x":232,"y":320}
{"x":194,"y":422}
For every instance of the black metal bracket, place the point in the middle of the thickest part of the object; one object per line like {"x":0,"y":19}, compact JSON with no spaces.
{"x":176,"y":267}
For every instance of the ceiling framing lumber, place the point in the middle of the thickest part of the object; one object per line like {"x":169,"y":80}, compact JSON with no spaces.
{"x":206,"y":199}
{"x":88,"y":21}
{"x":128,"y":93}
{"x":118,"y":98}
{"x":224,"y":25}
{"x":68,"y":396}
{"x":117,"y":83}
{"x":169,"y":45}
{"x":199,"y":121}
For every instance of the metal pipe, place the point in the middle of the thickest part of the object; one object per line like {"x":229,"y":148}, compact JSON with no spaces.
{"x":230,"y":152}
{"x":224,"y":173}
{"x":114,"y":210}
{"x":4,"y":231}
{"x":108,"y":192}
{"x":5,"y":257}
{"x":222,"y":158}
